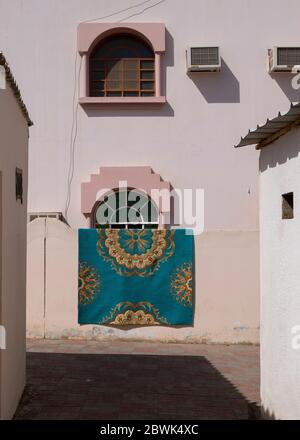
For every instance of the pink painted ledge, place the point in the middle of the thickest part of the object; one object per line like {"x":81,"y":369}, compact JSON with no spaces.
{"x":89,"y":100}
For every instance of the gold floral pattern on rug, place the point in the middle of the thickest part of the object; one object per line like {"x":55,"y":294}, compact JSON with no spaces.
{"x":182,"y":284}
{"x":135,"y":251}
{"x":88,"y":283}
{"x":127,"y":313}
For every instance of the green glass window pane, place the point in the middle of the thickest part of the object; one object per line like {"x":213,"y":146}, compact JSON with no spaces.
{"x":147,"y":85}
{"x":112,"y":94}
{"x":131,"y":75}
{"x":131,"y":93}
{"x":96,"y":64}
{"x":147,"y":75}
{"x":113,"y":85}
{"x":126,"y":207}
{"x":131,"y":85}
{"x":147,"y":93}
{"x":113,"y":65}
{"x":97,"y":93}
{"x":97,"y":85}
{"x":114,"y":76}
{"x":122,"y":46}
{"x":147,"y":64}
{"x":131,"y":64}
{"x":96,"y":75}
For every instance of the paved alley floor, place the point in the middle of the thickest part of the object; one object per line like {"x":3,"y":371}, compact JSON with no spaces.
{"x":118,"y":380}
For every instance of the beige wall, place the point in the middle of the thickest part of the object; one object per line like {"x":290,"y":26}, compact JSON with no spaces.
{"x":226,"y":299}
{"x":13,"y":153}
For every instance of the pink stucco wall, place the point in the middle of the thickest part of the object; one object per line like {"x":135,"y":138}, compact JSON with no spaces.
{"x":189,"y":139}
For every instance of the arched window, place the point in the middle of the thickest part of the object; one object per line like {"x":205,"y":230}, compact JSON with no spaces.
{"x":125,"y":209}
{"x":122,"y":65}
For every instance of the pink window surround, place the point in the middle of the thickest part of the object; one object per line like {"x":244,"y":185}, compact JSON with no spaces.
{"x":90,"y":34}
{"x":139,"y":178}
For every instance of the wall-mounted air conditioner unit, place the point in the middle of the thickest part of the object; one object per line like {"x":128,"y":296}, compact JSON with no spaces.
{"x":284,"y":59}
{"x":203,"y":59}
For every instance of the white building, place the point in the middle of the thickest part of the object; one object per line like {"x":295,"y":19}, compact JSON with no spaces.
{"x":182,"y":126}
{"x":279,"y":164}
{"x":14,"y":122}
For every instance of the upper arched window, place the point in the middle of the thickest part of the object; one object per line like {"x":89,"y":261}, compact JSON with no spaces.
{"x":122,"y":65}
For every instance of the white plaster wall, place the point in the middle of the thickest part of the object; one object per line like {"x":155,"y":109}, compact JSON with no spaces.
{"x":280,"y":278}
{"x":13,"y":153}
{"x":226,"y":297}
{"x":189,"y":140}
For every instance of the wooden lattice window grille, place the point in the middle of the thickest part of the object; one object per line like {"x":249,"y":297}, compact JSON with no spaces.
{"x":115,"y":76}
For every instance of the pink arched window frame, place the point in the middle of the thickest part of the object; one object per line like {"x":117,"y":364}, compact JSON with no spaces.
{"x":91,"y":34}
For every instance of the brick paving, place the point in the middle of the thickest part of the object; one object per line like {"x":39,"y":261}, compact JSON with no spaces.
{"x":118,"y":380}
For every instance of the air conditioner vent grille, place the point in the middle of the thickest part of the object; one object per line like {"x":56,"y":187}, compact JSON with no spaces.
{"x":288,"y":56}
{"x":204,"y":56}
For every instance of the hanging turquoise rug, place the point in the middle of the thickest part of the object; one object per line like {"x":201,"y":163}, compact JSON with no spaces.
{"x":135,"y":277}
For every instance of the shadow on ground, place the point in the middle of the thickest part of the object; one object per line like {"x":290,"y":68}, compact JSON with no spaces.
{"x":124,"y":387}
